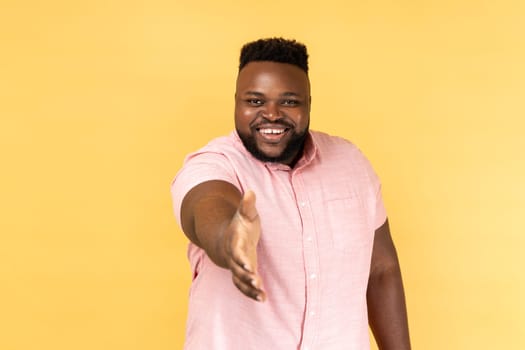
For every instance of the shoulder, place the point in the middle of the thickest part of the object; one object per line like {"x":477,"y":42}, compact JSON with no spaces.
{"x":327,"y":144}
{"x":323,"y":139}
{"x":211,"y":162}
{"x":341,"y":155}
{"x":214,"y":161}
{"x":224,"y":145}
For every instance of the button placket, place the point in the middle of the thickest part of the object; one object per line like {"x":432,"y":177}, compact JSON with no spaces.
{"x":310,"y":251}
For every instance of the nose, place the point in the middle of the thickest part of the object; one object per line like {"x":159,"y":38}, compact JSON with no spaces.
{"x":271,"y":111}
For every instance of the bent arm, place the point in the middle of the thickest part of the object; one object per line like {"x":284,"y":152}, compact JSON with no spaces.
{"x":385,"y":295}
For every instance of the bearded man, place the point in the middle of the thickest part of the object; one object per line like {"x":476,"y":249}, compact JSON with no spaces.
{"x":310,"y":264}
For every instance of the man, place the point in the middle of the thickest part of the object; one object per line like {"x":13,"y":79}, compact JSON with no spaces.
{"x":290,"y":246}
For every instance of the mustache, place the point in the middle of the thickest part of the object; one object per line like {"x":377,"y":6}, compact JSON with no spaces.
{"x":262,"y":121}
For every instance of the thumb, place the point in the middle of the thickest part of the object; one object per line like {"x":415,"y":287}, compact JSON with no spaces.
{"x":247,"y":206}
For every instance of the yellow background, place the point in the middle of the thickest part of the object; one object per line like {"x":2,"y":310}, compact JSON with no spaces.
{"x":100,"y":101}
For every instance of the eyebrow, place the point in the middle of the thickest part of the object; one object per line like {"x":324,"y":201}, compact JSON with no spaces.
{"x":284,"y":94}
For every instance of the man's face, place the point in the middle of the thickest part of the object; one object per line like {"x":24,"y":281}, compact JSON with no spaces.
{"x":272,"y":110}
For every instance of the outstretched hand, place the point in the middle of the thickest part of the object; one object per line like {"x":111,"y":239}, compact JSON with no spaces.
{"x":240,"y":245}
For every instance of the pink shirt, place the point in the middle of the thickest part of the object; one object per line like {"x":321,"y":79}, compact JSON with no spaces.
{"x":318,"y":221}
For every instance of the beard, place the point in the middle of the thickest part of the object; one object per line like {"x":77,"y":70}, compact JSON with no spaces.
{"x":291,"y":152}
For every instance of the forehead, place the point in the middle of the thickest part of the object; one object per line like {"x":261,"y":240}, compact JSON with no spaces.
{"x":271,"y":76}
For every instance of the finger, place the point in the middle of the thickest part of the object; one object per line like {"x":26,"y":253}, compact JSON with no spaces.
{"x":247,"y":208}
{"x":248,"y":289}
{"x":253,"y":280}
{"x":246,"y":277}
{"x":240,"y":258}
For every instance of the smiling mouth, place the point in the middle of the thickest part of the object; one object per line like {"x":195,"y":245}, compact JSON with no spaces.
{"x":272,"y":135}
{"x":272,"y":131}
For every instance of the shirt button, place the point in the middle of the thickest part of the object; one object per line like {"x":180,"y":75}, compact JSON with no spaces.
{"x":312,"y":313}
{"x":313,"y":276}
{"x":309,"y":238}
{"x":302,"y":204}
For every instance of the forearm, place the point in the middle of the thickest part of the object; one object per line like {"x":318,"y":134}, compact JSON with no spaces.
{"x":211,"y":217}
{"x":205,"y":213}
{"x":387,"y":309}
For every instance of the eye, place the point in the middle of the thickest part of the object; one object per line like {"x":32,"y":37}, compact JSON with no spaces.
{"x":290,"y":102}
{"x":255,"y":102}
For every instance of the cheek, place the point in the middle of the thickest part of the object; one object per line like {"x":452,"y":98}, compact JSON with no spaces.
{"x":302,"y":119}
{"x":244,"y":116}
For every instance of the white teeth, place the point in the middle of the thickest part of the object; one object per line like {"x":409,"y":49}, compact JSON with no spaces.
{"x":271,"y":131}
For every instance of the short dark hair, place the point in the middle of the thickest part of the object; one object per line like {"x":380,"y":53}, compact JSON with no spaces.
{"x":275,"y":50}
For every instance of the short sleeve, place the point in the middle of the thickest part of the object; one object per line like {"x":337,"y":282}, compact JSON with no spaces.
{"x":198,"y":168}
{"x":380,"y":212}
{"x":379,"y":216}
{"x":374,"y":198}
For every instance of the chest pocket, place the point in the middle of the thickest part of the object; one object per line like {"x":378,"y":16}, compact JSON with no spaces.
{"x":347,"y":222}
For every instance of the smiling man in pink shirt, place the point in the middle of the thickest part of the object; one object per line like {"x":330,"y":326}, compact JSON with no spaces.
{"x":289,"y":240}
